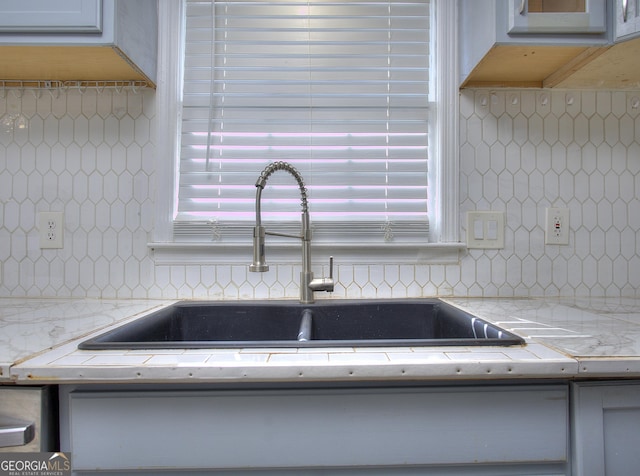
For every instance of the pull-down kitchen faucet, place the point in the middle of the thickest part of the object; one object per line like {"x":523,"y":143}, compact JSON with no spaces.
{"x":308,"y":285}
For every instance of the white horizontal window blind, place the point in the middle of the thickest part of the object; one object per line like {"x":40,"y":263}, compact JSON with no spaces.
{"x":339,"y":89}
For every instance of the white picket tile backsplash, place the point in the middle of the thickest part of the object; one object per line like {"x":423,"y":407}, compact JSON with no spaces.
{"x":91,"y":154}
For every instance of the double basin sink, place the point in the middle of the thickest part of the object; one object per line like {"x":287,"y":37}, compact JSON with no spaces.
{"x":398,"y":323}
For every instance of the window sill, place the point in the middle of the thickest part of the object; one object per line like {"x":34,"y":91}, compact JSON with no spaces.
{"x":283,"y":253}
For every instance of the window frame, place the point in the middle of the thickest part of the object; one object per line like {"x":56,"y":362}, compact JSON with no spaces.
{"x":443,"y":245}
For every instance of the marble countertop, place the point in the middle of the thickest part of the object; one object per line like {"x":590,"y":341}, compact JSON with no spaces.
{"x":601,"y":334}
{"x":29,"y":326}
{"x":565,"y":338}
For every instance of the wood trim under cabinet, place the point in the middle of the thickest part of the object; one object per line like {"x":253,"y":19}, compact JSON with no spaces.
{"x":68,"y":63}
{"x":521,"y":66}
{"x":573,"y":66}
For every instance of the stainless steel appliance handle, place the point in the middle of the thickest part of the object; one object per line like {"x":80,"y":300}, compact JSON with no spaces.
{"x":14,"y":432}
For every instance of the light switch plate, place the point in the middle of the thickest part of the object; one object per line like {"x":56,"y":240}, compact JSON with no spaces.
{"x":485,"y":230}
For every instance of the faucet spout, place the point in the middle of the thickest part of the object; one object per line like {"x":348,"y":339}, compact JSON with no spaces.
{"x":308,"y":285}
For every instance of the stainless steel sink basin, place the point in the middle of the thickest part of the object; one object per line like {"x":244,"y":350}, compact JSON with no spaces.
{"x":402,"y":322}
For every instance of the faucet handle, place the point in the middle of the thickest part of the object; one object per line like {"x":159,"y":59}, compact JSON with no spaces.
{"x":323,"y":284}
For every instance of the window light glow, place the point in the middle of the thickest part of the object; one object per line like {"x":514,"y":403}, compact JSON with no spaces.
{"x":338,"y":89}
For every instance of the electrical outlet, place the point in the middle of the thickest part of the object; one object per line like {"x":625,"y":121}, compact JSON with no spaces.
{"x":51,"y":228}
{"x":557,"y":226}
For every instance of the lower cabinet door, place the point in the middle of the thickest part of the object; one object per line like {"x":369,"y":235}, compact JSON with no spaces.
{"x":606,"y":428}
{"x":288,"y":429}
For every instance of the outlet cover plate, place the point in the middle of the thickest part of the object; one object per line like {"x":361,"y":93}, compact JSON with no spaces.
{"x":556,"y":231}
{"x":51,"y":229}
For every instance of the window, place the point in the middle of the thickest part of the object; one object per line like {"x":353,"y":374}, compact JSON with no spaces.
{"x":342,"y":90}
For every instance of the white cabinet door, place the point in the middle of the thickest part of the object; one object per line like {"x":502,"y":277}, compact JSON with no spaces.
{"x":45,"y":16}
{"x":627,"y":19}
{"x":606,"y":429}
{"x":563,"y":17}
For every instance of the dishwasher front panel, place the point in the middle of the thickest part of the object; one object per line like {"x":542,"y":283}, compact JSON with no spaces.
{"x":28,"y":414}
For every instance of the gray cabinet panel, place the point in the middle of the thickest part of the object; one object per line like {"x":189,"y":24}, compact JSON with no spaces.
{"x":592,"y":20}
{"x":45,"y":16}
{"x":606,"y":429}
{"x":332,"y":428}
{"x":627,"y":19}
{"x":472,"y":470}
{"x":621,"y":431}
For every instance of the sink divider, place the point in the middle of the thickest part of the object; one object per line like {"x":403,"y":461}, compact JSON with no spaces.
{"x":304,"y":333}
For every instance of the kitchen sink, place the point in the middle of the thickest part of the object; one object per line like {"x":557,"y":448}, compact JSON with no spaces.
{"x":398,"y":322}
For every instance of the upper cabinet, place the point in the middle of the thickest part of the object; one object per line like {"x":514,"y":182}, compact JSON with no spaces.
{"x":519,"y":43}
{"x":78,"y":40}
{"x":548,"y":43}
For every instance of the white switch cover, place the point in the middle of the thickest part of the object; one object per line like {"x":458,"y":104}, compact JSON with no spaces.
{"x":478,"y":230}
{"x":556,"y":230}
{"x":485,"y":230}
{"x":492,"y":230}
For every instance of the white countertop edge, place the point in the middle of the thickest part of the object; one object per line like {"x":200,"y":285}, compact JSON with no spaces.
{"x":308,"y":373}
{"x":5,"y":370}
{"x":602,"y":368}
{"x":533,"y":360}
